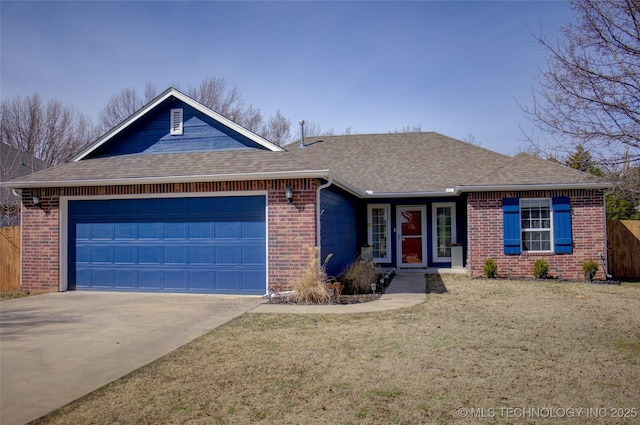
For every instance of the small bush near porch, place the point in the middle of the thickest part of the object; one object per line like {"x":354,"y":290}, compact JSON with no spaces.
{"x":494,"y":346}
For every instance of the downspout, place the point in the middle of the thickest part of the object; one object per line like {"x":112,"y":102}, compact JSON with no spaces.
{"x":318,"y":216}
{"x":607,"y":276}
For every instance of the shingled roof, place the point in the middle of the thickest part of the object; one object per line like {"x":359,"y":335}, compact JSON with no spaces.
{"x":370,"y":165}
{"x":429,"y":163}
{"x":172,"y":167}
{"x":526,"y":169}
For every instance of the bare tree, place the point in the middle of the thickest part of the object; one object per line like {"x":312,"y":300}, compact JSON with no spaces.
{"x":589,"y":93}
{"x":47,"y":130}
{"x":122,"y":105}
{"x":277,"y":129}
{"x":250,"y":118}
{"x":214,"y":93}
{"x":471,"y":139}
{"x":410,"y":129}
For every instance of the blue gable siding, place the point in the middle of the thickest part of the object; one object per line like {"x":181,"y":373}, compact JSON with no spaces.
{"x":150,"y":134}
{"x":338,"y":230}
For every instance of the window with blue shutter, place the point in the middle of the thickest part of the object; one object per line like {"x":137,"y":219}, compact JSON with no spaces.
{"x":511,"y":222}
{"x":561,"y":225}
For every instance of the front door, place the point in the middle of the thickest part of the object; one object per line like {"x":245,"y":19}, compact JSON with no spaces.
{"x":412,"y":249}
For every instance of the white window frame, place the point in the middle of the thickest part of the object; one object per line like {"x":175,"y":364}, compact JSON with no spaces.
{"x":387,"y":209}
{"x":434,"y":228}
{"x":550,"y":229}
{"x":177,"y":122}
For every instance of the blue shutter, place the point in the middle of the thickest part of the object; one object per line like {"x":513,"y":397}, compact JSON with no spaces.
{"x":511,"y":222}
{"x":561,"y":224}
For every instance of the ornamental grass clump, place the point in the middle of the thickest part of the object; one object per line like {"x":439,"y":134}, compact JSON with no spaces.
{"x":310,"y":287}
{"x":359,"y":276}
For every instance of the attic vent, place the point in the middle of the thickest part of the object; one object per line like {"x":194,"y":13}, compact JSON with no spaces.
{"x":176,"y":122}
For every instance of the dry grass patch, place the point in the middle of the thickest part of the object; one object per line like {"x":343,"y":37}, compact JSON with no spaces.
{"x":481,"y":344}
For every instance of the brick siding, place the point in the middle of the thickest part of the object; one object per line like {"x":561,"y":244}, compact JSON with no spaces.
{"x":291,"y":226}
{"x":486,"y":234}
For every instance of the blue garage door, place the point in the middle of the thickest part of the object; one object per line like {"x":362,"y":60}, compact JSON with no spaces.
{"x":197,"y":245}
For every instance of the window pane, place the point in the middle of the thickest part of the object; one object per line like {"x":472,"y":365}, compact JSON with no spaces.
{"x":411,"y":223}
{"x":444,"y":231}
{"x":379,"y":227}
{"x":535,"y":220}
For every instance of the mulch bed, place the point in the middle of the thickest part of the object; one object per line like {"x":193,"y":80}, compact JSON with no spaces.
{"x":343,"y":299}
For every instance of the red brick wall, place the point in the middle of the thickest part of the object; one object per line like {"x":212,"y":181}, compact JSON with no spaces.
{"x":40,"y":244}
{"x":291,"y":227}
{"x":485,"y":234}
{"x":292,"y":231}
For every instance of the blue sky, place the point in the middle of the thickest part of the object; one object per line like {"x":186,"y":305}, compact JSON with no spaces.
{"x":457,"y":68}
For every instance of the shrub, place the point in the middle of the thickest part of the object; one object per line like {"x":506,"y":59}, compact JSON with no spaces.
{"x":310,"y":287}
{"x":589,"y":268}
{"x":490,"y":268}
{"x":359,"y":276}
{"x":541,"y":269}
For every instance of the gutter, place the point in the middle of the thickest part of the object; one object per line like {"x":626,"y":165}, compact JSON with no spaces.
{"x":318,"y":216}
{"x":167,"y":179}
{"x":542,"y":186}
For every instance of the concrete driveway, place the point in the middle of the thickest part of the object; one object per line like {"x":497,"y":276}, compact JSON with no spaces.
{"x":55,"y":348}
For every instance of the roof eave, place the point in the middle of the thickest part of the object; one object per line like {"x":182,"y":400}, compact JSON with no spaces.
{"x":278,"y":175}
{"x":184,"y":98}
{"x":540,"y":186}
{"x":436,"y":194}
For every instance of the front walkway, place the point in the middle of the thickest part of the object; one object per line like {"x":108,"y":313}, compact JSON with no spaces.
{"x":406,"y":289}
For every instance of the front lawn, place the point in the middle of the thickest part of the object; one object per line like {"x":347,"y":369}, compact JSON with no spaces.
{"x":500,"y":351}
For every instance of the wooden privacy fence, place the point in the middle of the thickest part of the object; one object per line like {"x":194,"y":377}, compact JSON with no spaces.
{"x":624,"y":248}
{"x":10,"y":258}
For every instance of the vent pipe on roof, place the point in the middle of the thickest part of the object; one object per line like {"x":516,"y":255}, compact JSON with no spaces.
{"x":301,"y":122}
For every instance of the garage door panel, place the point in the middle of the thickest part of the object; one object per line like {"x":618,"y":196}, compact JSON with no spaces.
{"x":252,"y":229}
{"x":149,"y":254}
{"x":176,"y":280}
{"x":151,"y":231}
{"x":200,"y":230}
{"x":199,"y":255}
{"x":215,"y":244}
{"x":229,"y":255}
{"x":102,"y":231}
{"x":253,"y":255}
{"x":176,"y":255}
{"x":102,"y":278}
{"x":102,"y":255}
{"x":201,"y":280}
{"x":227,"y":230}
{"x":150,"y":279}
{"x":83,"y":254}
{"x":125,"y":231}
{"x":176,"y":231}
{"x":125,"y":279}
{"x":125,"y":254}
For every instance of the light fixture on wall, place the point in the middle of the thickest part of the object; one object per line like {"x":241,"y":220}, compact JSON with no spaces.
{"x":36,"y":201}
{"x":288,"y":193}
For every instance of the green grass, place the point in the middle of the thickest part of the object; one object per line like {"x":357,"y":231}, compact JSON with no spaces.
{"x":7,"y":295}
